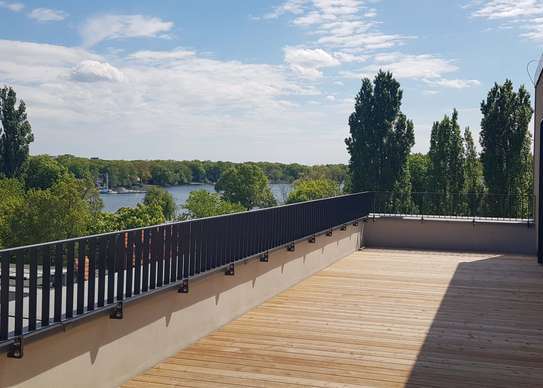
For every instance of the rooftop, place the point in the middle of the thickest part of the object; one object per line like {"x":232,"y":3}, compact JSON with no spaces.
{"x":381,"y":318}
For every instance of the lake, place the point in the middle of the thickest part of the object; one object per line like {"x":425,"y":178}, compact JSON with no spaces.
{"x":113,"y":202}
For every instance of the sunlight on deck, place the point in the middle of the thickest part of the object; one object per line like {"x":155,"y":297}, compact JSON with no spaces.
{"x":381,"y":318}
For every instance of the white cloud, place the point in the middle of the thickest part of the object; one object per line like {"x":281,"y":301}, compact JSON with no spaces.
{"x":106,"y":27}
{"x":525,"y":15}
{"x":427,"y":68}
{"x":153,"y":56}
{"x":307,"y":62}
{"x":170,"y":104}
{"x":47,"y":15}
{"x":289,"y":6}
{"x":94,"y":71}
{"x":14,"y":7}
{"x":454,"y":83}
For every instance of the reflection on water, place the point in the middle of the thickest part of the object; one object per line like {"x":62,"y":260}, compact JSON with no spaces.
{"x":113,"y":202}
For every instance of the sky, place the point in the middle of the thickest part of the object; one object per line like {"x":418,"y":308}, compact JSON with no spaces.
{"x":246,"y":80}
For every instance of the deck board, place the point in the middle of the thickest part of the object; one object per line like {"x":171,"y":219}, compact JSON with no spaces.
{"x":381,"y":318}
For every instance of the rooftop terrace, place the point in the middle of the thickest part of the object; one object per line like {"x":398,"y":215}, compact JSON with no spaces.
{"x":381,"y":318}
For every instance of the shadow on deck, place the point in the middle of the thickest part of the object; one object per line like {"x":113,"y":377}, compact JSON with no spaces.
{"x":488,"y":330}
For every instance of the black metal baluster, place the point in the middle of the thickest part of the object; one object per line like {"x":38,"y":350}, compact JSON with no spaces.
{"x":137,"y":261}
{"x":81,"y":267}
{"x":110,"y":262}
{"x":4,"y":295}
{"x":32,"y":289}
{"x":129,"y":263}
{"x":46,"y":285}
{"x":175,"y":254}
{"x":59,"y":256}
{"x":19,"y":297}
{"x":120,"y":261}
{"x":70,"y":257}
{"x":146,"y":253}
{"x":160,"y":256}
{"x":185,"y":248}
{"x":91,"y":283}
{"x":167,"y":253}
{"x":154,"y":253}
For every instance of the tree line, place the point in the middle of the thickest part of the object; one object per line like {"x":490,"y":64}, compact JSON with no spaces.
{"x":453,"y":178}
{"x":131,"y":173}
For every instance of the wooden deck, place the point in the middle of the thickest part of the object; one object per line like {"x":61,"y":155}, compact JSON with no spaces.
{"x":381,"y":318}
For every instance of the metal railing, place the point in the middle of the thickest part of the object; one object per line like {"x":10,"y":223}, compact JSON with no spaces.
{"x":474,"y":206}
{"x":46,"y":286}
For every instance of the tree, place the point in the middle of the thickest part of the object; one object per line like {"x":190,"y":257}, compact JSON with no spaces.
{"x":163,"y":199}
{"x":43,"y":172}
{"x":202,"y":203}
{"x":247,"y":185}
{"x":310,"y":189}
{"x":446,"y":170}
{"x":11,"y":198}
{"x":56,"y":213}
{"x":505,"y":142}
{"x":381,"y":136}
{"x":473,"y":174}
{"x":15,"y":134}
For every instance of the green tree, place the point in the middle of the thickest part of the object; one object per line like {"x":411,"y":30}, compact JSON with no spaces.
{"x":56,"y":213}
{"x":15,"y":134}
{"x":163,"y":199}
{"x":247,"y":185}
{"x":505,"y":142}
{"x":310,"y":189}
{"x":202,"y":203}
{"x":381,"y":136}
{"x":140,"y":216}
{"x":473,"y":173}
{"x":43,"y":172}
{"x":11,"y":198}
{"x":446,"y":170}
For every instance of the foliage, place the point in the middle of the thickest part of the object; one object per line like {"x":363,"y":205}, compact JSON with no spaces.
{"x":505,"y":140}
{"x":15,"y":134}
{"x":56,"y":213}
{"x":127,"y":218}
{"x":11,"y":198}
{"x":202,"y":203}
{"x":381,"y":136}
{"x":162,"y":198}
{"x":446,"y":170}
{"x":310,"y":189}
{"x":418,"y":167}
{"x":43,"y":172}
{"x":247,"y":185}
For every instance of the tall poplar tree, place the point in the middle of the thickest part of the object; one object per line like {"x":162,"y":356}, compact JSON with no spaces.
{"x":446,"y":170}
{"x":473,"y":173}
{"x":15,"y":133}
{"x":505,"y":142}
{"x":381,"y":137}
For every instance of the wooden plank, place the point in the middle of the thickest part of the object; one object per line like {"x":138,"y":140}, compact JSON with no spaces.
{"x":381,"y":318}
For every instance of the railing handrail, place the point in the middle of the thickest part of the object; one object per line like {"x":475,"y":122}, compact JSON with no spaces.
{"x":120,"y":267}
{"x":74,"y":239}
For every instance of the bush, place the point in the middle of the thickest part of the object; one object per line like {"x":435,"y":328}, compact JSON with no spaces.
{"x":310,"y":189}
{"x":163,"y":199}
{"x":202,"y":204}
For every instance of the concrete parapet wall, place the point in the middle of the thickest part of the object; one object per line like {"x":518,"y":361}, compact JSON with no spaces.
{"x":101,"y":352}
{"x":450,"y":235}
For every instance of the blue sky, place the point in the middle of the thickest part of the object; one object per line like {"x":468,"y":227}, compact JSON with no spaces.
{"x":246,"y":80}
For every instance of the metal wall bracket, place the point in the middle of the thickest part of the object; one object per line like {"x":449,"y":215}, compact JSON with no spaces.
{"x":117,"y":312}
{"x":343,"y":227}
{"x":229,"y":270}
{"x":312,"y":240}
{"x":184,"y":289}
{"x":355,"y":223}
{"x":291,"y":247}
{"x":264,"y":257}
{"x":329,"y":233}
{"x":16,"y":348}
